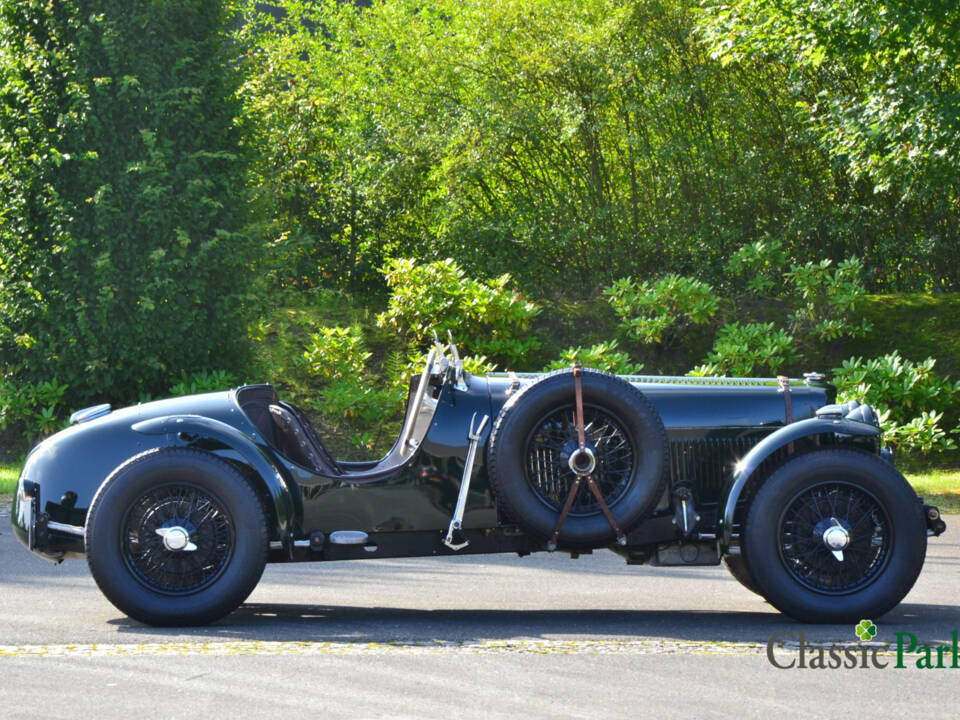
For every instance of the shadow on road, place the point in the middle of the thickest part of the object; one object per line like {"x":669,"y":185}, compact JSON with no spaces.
{"x":325,"y":623}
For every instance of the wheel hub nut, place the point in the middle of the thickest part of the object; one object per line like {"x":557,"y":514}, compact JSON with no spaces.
{"x":175,"y":538}
{"x":836,"y":537}
{"x":583,"y":462}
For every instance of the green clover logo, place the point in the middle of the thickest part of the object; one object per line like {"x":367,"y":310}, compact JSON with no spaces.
{"x":866,"y":630}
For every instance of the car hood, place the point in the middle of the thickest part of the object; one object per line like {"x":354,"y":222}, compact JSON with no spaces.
{"x":706,"y":403}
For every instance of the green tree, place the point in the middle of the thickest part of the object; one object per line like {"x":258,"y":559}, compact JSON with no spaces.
{"x":878,"y":83}
{"x":123,"y":251}
{"x":567,"y":142}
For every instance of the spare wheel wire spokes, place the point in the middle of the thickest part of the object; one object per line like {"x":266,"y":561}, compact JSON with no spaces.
{"x":582,"y":462}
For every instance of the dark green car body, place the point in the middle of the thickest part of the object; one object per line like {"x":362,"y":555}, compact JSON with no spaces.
{"x":723,"y":434}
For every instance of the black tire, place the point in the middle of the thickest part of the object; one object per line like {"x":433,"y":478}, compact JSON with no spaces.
{"x":741,"y":573}
{"x":784,"y":542}
{"x":632,"y":477}
{"x":182,"y":488}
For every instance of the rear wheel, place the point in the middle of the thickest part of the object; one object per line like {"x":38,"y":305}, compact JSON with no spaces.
{"x":176,"y":536}
{"x":835,"y":536}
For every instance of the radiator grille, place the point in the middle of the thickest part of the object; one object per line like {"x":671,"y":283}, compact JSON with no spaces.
{"x":707,"y":462}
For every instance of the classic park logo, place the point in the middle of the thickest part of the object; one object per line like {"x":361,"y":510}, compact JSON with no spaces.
{"x":866,"y":630}
{"x":864,"y":654}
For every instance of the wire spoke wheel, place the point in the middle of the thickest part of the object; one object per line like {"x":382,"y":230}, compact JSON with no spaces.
{"x":553,"y":440}
{"x":177,"y":539}
{"x":835,"y":538}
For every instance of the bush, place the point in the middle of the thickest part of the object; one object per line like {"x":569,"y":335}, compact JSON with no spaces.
{"x":910,"y":397}
{"x":203,"y":382}
{"x":358,"y":404}
{"x":900,"y":385}
{"x":337,"y":353}
{"x":761,"y":263}
{"x":485,"y":317}
{"x":743,"y":349}
{"x":37,"y":409}
{"x":658,"y":311}
{"x":826,"y":301}
{"x":602,"y":356}
{"x":922,"y":433}
{"x":123,"y":251}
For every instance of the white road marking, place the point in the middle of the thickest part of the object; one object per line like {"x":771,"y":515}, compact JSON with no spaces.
{"x":520,"y":646}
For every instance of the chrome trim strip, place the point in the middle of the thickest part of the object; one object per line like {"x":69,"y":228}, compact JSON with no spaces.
{"x":90,"y":413}
{"x":347,"y":537}
{"x":29,"y":520}
{"x":277,"y":545}
{"x":664,"y":379}
{"x":64,"y":528}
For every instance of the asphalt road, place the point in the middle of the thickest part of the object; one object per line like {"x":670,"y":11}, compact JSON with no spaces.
{"x":489,"y":636}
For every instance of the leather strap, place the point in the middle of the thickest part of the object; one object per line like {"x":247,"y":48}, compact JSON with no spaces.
{"x":784,"y":382}
{"x":787,"y":400}
{"x":566,"y":511}
{"x":578,"y":392}
{"x":603,"y":506}
{"x":591,"y":483}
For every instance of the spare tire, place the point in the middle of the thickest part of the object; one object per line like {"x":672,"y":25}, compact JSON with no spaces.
{"x":531,"y":443}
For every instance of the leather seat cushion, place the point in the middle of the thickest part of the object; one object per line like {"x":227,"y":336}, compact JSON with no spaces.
{"x":298,"y":441}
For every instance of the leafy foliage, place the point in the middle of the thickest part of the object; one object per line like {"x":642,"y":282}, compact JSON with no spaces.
{"x":36,"y":408}
{"x":602,"y":356}
{"x":892,"y":382}
{"x":358,"y":404}
{"x":761,"y":263}
{"x":658,"y":311}
{"x":203,"y":382}
{"x":828,"y":300}
{"x":910,"y":397}
{"x":824,"y":299}
{"x":725,"y":156}
{"x":337,"y":353}
{"x":575,"y":142}
{"x":123,"y":254}
{"x":364,"y":404}
{"x":486,"y":317}
{"x":923,"y":432}
{"x":743,"y":349}
{"x":877,"y":84}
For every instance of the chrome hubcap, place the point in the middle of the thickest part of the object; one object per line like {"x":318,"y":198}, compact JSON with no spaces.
{"x":176,"y":539}
{"x":836,"y":538}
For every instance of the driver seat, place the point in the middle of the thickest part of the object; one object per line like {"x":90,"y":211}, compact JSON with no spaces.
{"x":297,"y":439}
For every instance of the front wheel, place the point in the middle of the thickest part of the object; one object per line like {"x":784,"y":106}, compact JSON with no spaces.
{"x":176,"y":536}
{"x":835,"y":536}
{"x":738,"y":568}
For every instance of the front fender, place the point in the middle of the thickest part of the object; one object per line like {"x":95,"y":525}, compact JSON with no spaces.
{"x":844,"y":431}
{"x":269,"y":471}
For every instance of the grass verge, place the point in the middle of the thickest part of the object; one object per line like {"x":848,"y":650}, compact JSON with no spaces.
{"x":938,"y":487}
{"x":8,"y":479}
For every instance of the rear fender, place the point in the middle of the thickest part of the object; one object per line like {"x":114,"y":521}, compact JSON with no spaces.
{"x":194,"y":428}
{"x":812,"y":431}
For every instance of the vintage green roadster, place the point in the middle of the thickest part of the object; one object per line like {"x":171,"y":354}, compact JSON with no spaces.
{"x":178,"y":504}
